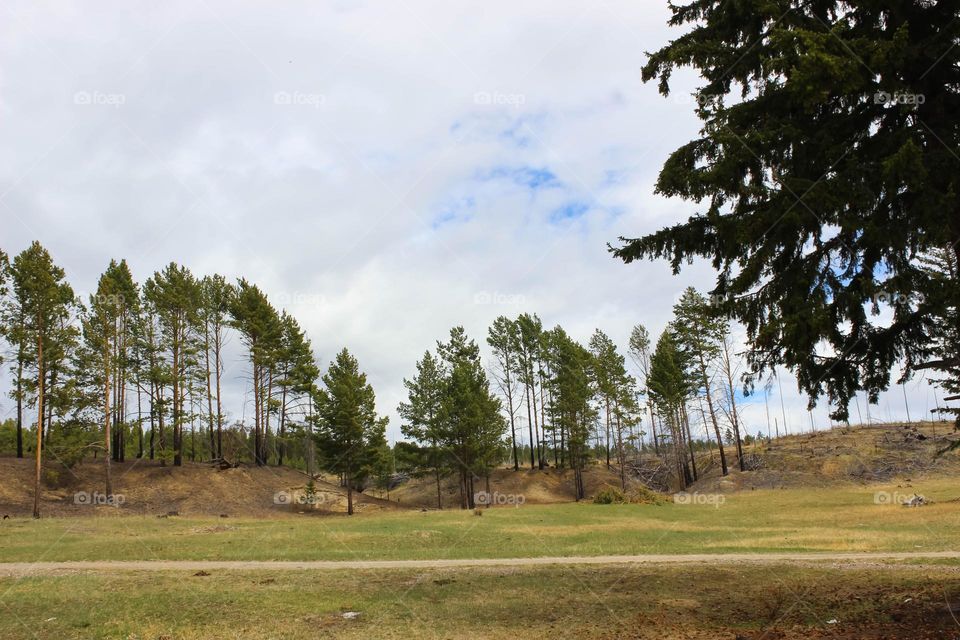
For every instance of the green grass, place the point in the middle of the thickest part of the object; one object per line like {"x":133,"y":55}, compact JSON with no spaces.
{"x":553,"y":602}
{"x":838,"y":519}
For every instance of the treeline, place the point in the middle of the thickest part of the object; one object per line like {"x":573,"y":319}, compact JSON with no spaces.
{"x":574,"y":404}
{"x":137,"y":370}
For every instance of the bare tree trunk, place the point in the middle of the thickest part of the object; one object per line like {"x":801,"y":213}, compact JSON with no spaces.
{"x":713,"y":416}
{"x":728,"y":369}
{"x":693,"y":458}
{"x":20,"y":359}
{"x":216,"y":356}
{"x":139,"y":419}
{"x":107,"y":442}
{"x":177,"y":444}
{"x":206,"y":357}
{"x":281,"y":444}
{"x":529,"y":421}
{"x":349,"y":495}
{"x":536,"y":424}
{"x":39,"y":457}
{"x":607,"y":425}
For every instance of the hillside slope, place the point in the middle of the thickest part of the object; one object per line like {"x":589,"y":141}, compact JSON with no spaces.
{"x":857,"y":454}
{"x":193,"y":489}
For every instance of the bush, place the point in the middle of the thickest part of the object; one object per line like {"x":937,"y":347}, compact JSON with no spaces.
{"x":51,"y":478}
{"x":610,"y":495}
{"x":639,"y":495}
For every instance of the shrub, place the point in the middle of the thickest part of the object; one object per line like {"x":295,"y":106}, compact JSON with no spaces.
{"x":610,"y":495}
{"x":639,"y":495}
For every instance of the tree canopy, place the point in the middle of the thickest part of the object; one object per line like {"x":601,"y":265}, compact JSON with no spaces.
{"x":825,"y":169}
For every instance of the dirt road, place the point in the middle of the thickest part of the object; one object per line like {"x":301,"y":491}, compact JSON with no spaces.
{"x":106,"y":566}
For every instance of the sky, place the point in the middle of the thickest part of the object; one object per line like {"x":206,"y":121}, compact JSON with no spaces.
{"x":384,"y":171}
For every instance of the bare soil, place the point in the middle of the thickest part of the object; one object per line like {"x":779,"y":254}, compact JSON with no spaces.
{"x":144,"y":487}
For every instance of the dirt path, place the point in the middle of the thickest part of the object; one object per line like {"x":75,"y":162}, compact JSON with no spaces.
{"x":107,"y":566}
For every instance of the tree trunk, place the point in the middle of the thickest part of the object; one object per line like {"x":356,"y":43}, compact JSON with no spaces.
{"x":177,"y":439}
{"x":693,"y":458}
{"x":39,"y":453}
{"x":349,"y":495}
{"x":713,"y":414}
{"x":529,"y":421}
{"x":206,"y":358}
{"x":281,"y":443}
{"x":607,"y":425}
{"x":139,"y":419}
{"x":20,"y":402}
{"x":107,"y":442}
{"x":216,"y":355}
{"x":536,"y":424}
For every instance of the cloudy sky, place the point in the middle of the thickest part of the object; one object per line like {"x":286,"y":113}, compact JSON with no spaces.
{"x":382,"y":170}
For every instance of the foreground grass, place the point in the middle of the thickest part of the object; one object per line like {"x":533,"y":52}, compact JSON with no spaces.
{"x":610,"y":602}
{"x":839,"y":519}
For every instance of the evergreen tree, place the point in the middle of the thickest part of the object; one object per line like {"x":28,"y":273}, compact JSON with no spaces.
{"x":639,"y":350}
{"x":700,"y":334}
{"x":175,"y":299}
{"x":528,"y":344}
{"x":471,"y":423}
{"x":217,"y":295}
{"x":826,"y":166}
{"x":102,"y":329}
{"x":297,"y":374}
{"x":45,"y":300}
{"x":259,"y":326}
{"x":572,"y":411}
{"x":503,"y":338}
{"x":669,"y":387}
{"x":423,"y":412}
{"x":350,"y":435}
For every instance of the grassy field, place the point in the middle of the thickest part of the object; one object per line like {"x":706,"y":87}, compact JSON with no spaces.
{"x":839,"y":519}
{"x":610,"y":602}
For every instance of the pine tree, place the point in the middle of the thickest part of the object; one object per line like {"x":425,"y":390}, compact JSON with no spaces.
{"x":45,"y":300}
{"x":422,"y":414}
{"x":669,"y":387}
{"x":571,"y":408}
{"x":217,"y":295}
{"x":175,"y":299}
{"x":700,"y":334}
{"x":259,"y":326}
{"x":471,"y":423}
{"x":503,"y":338}
{"x":350,"y":435}
{"x":297,"y":374}
{"x":639,"y":350}
{"x":528,"y":344}
{"x":102,"y":329}
{"x":826,"y":167}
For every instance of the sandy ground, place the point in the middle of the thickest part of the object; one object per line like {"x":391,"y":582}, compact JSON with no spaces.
{"x":848,"y":559}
